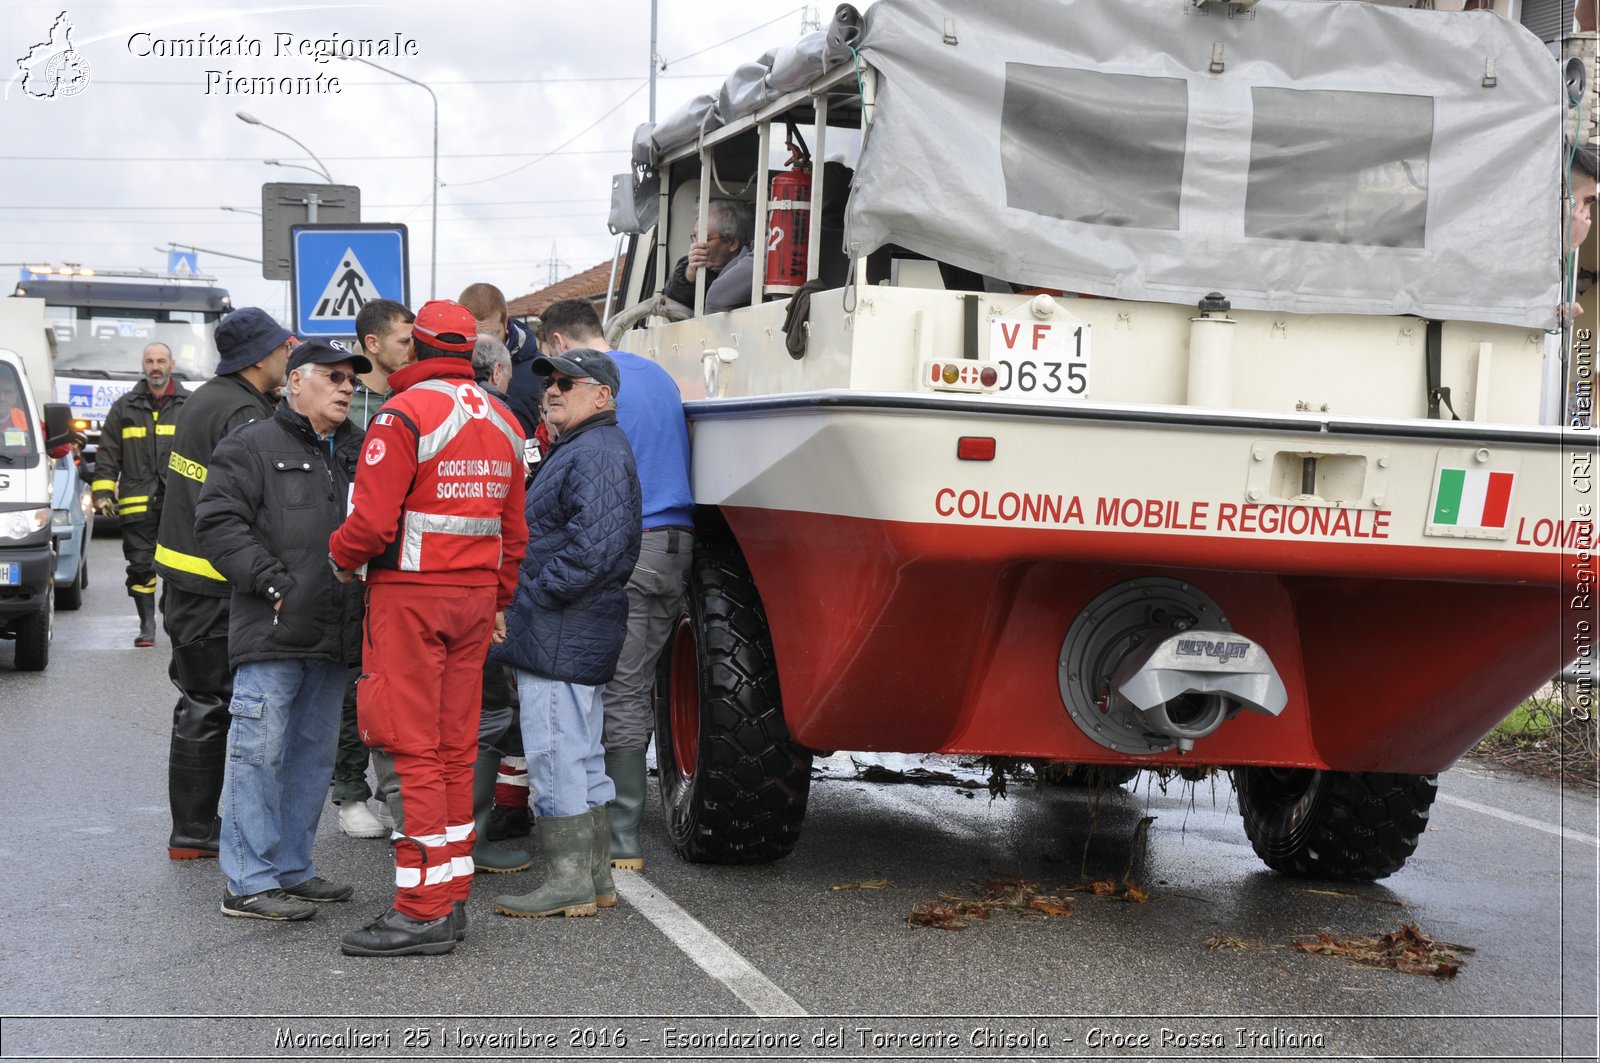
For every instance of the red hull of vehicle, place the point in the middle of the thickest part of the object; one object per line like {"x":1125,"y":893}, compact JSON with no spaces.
{"x":909,"y":637}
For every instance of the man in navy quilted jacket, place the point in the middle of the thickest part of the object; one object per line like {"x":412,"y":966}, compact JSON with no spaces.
{"x":566,"y":625}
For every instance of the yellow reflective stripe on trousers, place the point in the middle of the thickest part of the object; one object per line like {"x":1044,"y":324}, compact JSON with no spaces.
{"x":144,"y":588}
{"x":187,"y":467}
{"x":133,"y":432}
{"x":103,"y":485}
{"x":128,"y":500}
{"x":166,"y":429}
{"x":198,"y":566}
{"x":131,"y":511}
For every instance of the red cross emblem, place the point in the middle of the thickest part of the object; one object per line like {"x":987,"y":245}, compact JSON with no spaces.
{"x":473,"y":400}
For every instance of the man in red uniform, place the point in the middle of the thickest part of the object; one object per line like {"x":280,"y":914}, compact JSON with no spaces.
{"x":438,"y":522}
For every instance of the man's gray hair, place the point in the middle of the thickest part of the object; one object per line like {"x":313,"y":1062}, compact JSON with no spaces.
{"x":731,"y":219}
{"x":487,"y":353}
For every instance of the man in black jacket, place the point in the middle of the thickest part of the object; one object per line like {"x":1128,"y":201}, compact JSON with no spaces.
{"x":275,"y":491}
{"x":129,"y":469}
{"x":194,"y":600}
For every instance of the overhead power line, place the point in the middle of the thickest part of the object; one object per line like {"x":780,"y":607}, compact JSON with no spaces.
{"x":167,"y":159}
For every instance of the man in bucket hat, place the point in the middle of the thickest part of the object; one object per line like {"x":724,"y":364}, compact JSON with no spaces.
{"x":437,"y":519}
{"x":254,"y":351}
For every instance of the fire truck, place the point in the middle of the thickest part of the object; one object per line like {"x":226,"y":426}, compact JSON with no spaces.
{"x":1166,"y":384}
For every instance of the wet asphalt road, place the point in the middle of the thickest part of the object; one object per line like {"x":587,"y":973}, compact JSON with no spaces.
{"x":114,"y":952}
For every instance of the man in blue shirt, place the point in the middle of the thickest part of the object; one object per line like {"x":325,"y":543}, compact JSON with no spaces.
{"x":650,"y":412}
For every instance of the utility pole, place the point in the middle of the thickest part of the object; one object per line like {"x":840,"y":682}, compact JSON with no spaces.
{"x":553,"y":266}
{"x":809,"y":20}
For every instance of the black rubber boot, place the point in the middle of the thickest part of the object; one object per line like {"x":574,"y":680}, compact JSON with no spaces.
{"x":627,"y":771}
{"x":146,"y":605}
{"x":486,"y":856}
{"x":199,"y":746}
{"x":396,"y":934}
{"x":194,"y":786}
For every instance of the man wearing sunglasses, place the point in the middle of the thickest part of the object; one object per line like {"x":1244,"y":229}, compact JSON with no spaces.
{"x":566,"y":625}
{"x":274,"y":492}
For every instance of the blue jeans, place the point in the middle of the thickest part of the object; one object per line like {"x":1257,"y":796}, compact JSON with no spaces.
{"x":561,"y":725}
{"x":281,"y":744}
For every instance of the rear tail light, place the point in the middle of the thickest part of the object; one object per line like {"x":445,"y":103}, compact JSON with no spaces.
{"x":975,"y":448}
{"x":959,"y":374}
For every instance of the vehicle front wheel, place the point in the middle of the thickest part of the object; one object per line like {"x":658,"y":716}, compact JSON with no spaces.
{"x":70,"y":596}
{"x":33,"y":638}
{"x":733,"y":783}
{"x":1311,"y":823}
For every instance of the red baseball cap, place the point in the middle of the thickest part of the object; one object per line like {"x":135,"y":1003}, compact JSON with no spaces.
{"x":445,"y":326}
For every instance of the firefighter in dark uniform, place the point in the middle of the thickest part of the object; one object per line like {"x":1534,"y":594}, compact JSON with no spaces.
{"x":129,"y":469}
{"x":254,"y":352}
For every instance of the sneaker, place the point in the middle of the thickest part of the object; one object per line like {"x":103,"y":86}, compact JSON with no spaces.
{"x":268,"y":904}
{"x":395,"y":934}
{"x":357,"y":821}
{"x":319,"y":890}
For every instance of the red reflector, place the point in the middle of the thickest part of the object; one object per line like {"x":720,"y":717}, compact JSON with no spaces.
{"x":975,"y":448}
{"x":988,"y":376}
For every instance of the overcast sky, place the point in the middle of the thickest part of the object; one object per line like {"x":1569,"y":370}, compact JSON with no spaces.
{"x":145,"y":155}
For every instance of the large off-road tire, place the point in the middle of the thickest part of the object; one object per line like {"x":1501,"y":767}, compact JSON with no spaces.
{"x":70,"y":596}
{"x":33,"y":639}
{"x":1329,"y":824}
{"x":733,"y":784}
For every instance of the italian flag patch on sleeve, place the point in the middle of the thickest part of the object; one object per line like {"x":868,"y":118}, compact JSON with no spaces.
{"x":1472,"y":498}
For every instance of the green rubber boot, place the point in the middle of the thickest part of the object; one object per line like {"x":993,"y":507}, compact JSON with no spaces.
{"x":626,"y":768}
{"x":605,"y":890}
{"x":569,"y":877}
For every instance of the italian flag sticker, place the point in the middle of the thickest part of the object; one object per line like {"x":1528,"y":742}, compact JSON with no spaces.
{"x":1472,"y":498}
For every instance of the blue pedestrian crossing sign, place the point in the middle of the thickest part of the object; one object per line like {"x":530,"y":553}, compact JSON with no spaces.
{"x":338,"y":269}
{"x":183,"y":263}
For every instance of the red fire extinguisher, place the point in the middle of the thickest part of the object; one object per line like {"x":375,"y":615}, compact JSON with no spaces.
{"x":789,"y":230}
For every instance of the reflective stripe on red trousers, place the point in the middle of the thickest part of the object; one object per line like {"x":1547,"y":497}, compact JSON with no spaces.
{"x":418,"y":699}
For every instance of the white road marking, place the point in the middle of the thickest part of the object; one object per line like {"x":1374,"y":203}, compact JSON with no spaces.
{"x":713,"y":955}
{"x":1522,"y":821}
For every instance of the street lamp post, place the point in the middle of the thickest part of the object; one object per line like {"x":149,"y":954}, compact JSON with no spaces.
{"x":253,"y":120}
{"x":293,"y":166}
{"x":433,"y":261}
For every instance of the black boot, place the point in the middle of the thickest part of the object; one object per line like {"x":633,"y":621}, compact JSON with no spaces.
{"x":488,"y":857}
{"x":146,"y":605}
{"x":194,"y":786}
{"x":396,"y":934}
{"x":199,"y":746}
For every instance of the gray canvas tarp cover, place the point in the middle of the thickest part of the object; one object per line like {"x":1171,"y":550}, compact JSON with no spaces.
{"x":1347,"y":158}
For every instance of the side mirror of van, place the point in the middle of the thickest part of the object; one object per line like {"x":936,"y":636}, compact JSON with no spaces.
{"x":57,"y":425}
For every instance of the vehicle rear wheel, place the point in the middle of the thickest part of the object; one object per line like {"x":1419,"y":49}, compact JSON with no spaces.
{"x":733,"y":783}
{"x":33,"y":638}
{"x":70,"y":596}
{"x":1329,"y":824}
